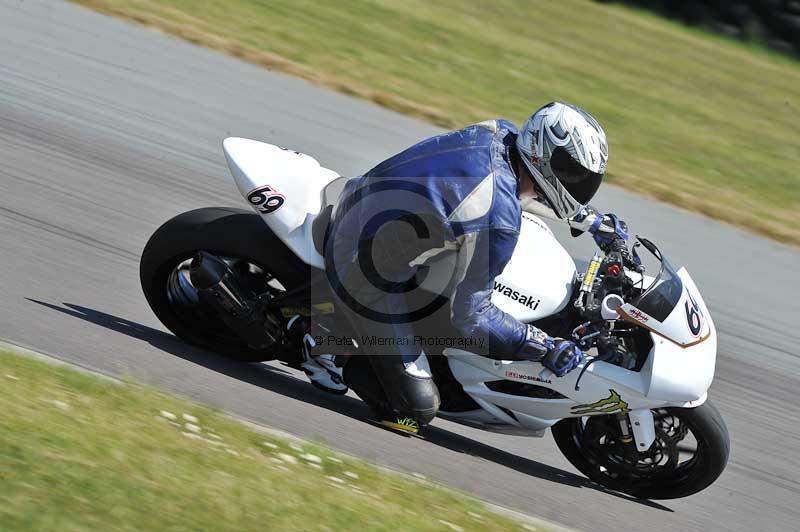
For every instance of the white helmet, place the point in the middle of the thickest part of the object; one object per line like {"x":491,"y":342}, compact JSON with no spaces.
{"x":566,"y":151}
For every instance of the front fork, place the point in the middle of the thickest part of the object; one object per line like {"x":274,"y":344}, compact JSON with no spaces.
{"x":637,"y":427}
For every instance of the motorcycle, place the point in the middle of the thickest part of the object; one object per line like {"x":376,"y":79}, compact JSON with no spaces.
{"x":634,"y":417}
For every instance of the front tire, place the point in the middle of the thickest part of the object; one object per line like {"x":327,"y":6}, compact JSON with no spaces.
{"x":591,"y":450}
{"x":226,"y":232}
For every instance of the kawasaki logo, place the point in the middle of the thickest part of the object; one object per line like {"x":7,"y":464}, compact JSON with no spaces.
{"x":523,"y":299}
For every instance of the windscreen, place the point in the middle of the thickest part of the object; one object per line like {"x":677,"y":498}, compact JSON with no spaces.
{"x":665,"y":293}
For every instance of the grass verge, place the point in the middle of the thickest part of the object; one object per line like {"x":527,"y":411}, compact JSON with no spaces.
{"x":694,"y":120}
{"x":81,"y":453}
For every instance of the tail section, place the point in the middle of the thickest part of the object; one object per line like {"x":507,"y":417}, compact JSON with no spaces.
{"x":284,"y":186}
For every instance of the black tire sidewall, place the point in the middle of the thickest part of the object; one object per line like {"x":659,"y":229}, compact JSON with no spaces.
{"x":223,"y":231}
{"x":709,"y":430}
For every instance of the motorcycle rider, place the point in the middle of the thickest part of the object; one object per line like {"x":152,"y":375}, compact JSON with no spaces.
{"x":462,"y":192}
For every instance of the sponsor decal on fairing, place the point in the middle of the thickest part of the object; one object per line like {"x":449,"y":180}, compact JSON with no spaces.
{"x":515,"y":295}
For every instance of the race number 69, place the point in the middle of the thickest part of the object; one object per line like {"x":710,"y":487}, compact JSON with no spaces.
{"x":265,"y":199}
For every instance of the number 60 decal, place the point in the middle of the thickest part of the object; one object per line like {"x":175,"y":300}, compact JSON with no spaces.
{"x":694,"y":316}
{"x":265,"y":199}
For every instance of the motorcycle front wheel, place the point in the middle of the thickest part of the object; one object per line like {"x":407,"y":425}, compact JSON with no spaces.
{"x":690,"y":452}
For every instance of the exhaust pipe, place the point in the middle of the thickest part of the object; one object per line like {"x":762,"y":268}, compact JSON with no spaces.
{"x":212,"y":276}
{"x":206,"y":270}
{"x":219,"y":289}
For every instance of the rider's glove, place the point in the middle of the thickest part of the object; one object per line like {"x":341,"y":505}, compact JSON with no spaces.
{"x":557,"y":355}
{"x":537,"y":344}
{"x":563,"y":357}
{"x":607,"y":229}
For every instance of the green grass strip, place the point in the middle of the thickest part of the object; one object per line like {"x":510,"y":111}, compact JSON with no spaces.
{"x":82,"y":453}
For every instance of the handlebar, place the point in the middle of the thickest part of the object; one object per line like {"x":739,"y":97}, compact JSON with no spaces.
{"x":629,"y":259}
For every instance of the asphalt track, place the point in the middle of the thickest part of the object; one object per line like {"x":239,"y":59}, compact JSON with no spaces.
{"x":107,"y":130}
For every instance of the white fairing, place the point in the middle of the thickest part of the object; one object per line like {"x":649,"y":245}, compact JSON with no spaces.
{"x":677,"y":327}
{"x":537,"y":281}
{"x":673,"y":375}
{"x":683,"y":373}
{"x":298,"y":178}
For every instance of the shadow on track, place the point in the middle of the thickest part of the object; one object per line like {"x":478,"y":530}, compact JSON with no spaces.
{"x":279,"y":381}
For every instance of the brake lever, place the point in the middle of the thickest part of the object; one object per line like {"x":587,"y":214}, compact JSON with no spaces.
{"x":630,"y":259}
{"x":582,"y":337}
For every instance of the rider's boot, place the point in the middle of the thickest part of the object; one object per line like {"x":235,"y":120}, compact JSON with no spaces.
{"x":360,"y":376}
{"x":320,"y":366}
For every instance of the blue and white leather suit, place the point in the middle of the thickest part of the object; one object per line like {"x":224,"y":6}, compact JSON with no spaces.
{"x":464,"y":188}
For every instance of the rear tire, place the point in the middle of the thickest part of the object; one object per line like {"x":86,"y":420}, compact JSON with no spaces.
{"x":222,"y":231}
{"x":713,"y":448}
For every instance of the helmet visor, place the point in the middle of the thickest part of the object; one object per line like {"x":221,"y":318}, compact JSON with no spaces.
{"x":581,"y":183}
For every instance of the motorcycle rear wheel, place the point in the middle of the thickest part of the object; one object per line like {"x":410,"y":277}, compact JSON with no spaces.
{"x":233,"y":234}
{"x":645,"y":479}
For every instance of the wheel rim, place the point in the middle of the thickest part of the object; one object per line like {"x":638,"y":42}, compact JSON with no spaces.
{"x":190,"y":312}
{"x":673,"y":458}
